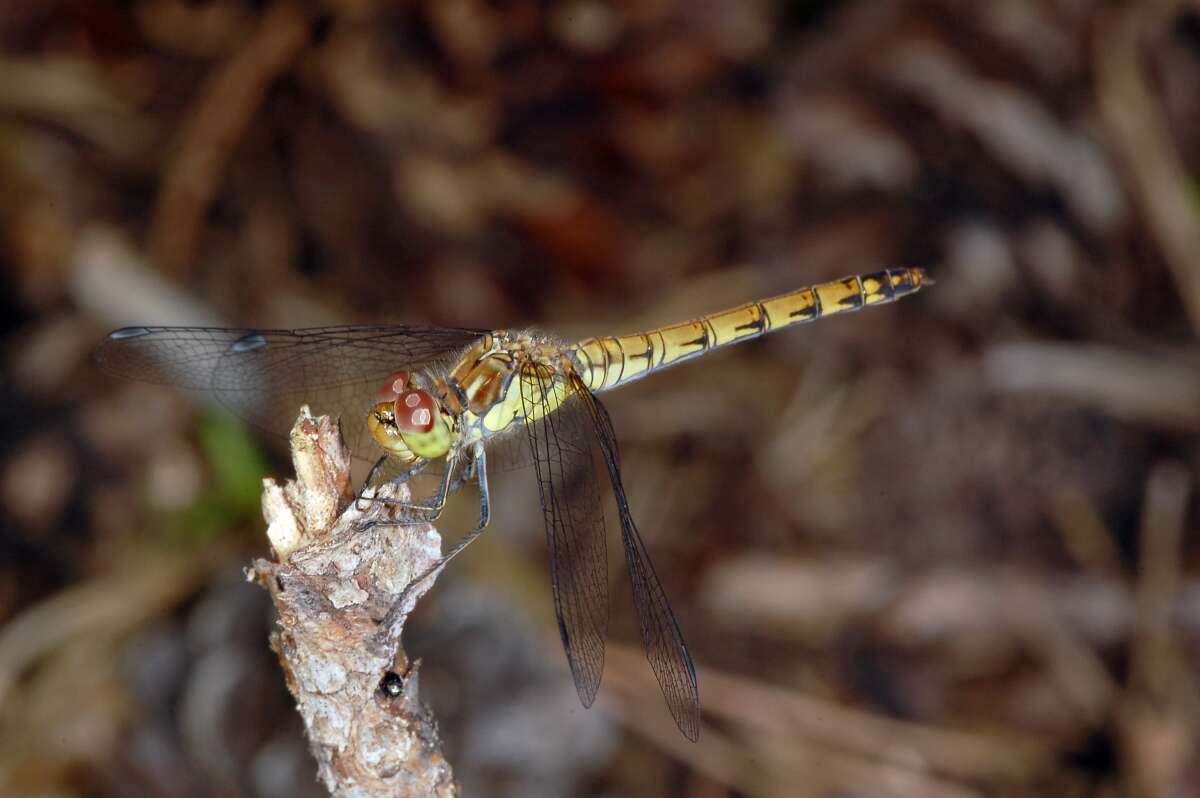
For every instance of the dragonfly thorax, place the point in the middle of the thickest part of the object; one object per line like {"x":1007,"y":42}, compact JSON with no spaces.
{"x":505,"y":380}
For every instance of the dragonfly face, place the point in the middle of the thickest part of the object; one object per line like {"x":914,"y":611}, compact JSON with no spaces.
{"x":409,"y":422}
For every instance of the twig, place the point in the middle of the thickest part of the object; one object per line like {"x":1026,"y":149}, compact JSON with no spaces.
{"x":339,"y":565}
{"x":114,"y":282}
{"x":824,"y":746}
{"x":228,"y":103}
{"x":1140,"y":134}
{"x":1158,"y":389}
{"x":119,"y":601}
{"x":965,"y":755}
{"x":73,"y":94}
{"x":1159,"y":720}
{"x":1159,"y":668}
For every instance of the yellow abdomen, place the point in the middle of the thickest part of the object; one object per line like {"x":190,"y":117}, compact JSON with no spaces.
{"x":615,"y":360}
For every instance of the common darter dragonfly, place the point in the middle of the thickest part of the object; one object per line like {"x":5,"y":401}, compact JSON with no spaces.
{"x":424,"y":394}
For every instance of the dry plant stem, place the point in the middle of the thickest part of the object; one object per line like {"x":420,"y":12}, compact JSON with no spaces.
{"x":228,"y":102}
{"x":761,"y":709}
{"x":788,"y":751}
{"x":1159,"y":667}
{"x":338,"y":568}
{"x":1141,"y":136}
{"x":1160,"y":390}
{"x":1159,"y":718}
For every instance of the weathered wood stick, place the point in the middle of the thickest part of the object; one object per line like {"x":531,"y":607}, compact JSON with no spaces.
{"x":334,"y":576}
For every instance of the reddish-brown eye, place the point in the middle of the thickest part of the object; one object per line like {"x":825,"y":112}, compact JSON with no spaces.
{"x":392,"y":387}
{"x":415,"y":411}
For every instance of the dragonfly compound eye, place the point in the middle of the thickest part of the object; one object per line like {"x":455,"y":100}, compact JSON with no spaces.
{"x":393,"y":386}
{"x":420,"y":422}
{"x":415,"y":411}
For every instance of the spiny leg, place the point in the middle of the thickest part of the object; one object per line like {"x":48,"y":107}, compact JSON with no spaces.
{"x":434,"y":509}
{"x":403,"y":476}
{"x":421,"y":513}
{"x":467,"y":475}
{"x":485,"y":515}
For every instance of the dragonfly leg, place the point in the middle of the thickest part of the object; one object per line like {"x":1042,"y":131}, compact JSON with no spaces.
{"x":404,"y":476}
{"x":485,"y":512}
{"x":467,"y":475}
{"x":485,"y":515}
{"x":419,"y":513}
{"x":434,"y":509}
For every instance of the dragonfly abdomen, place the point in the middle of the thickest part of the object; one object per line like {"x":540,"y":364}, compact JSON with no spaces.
{"x":615,"y":360}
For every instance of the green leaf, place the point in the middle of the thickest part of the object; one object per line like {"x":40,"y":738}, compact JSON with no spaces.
{"x":237,"y":463}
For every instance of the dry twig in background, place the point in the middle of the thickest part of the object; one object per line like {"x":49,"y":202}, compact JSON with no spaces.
{"x":335,"y":575}
{"x":226,"y":108}
{"x":1142,"y":137}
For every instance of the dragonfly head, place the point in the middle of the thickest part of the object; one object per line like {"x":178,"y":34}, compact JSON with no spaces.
{"x":407,"y":421}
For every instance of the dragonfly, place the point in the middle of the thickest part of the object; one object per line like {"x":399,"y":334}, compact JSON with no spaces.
{"x":414,"y":395}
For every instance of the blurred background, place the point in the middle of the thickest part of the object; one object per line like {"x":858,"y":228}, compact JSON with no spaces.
{"x":947,"y":547}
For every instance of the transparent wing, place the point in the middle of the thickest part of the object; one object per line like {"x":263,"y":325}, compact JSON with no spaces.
{"x":661,"y":636}
{"x":265,"y":375}
{"x":509,"y":453}
{"x":566,"y":475}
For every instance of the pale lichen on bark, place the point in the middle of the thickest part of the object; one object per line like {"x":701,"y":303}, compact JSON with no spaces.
{"x":334,"y":576}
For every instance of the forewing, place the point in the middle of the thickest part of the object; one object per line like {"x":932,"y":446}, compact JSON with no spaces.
{"x":265,"y":375}
{"x":665,"y":647}
{"x":561,"y":453}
